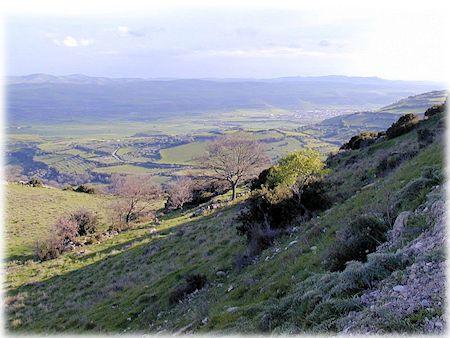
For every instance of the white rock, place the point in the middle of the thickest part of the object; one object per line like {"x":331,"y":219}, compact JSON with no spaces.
{"x":220,"y":273}
{"x":232,"y":309}
{"x":399,"y":288}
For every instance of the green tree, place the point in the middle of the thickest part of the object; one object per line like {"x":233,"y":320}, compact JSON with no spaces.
{"x":297,"y":170}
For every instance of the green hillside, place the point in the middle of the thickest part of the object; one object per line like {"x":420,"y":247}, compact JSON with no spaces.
{"x":417,"y":103}
{"x":31,"y":211}
{"x":124,"y":283}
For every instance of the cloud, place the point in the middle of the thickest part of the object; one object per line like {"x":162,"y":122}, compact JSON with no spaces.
{"x":324,"y":43}
{"x":125,"y":31}
{"x":70,"y":41}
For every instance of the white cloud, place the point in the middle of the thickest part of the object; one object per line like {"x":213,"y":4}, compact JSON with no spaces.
{"x":86,"y":42}
{"x":123,"y":30}
{"x":70,"y":41}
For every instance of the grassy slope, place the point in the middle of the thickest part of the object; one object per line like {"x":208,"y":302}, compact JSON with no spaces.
{"x":31,"y":212}
{"x":124,"y":283}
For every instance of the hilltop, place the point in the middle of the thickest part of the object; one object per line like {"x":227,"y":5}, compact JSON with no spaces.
{"x":125,"y":283}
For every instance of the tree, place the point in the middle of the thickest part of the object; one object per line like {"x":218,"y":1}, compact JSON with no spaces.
{"x":297,"y":170}
{"x":180,"y":191}
{"x":137,"y":193}
{"x":233,"y":158}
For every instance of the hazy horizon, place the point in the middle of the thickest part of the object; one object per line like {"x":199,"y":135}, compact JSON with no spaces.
{"x":225,"y":78}
{"x":231,"y":42}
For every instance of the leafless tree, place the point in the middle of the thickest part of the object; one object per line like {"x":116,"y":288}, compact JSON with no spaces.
{"x":137,"y":194}
{"x":234,"y":158}
{"x":13,"y":173}
{"x":180,"y":191}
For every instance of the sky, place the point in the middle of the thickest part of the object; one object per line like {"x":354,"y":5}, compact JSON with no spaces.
{"x":227,"y":40}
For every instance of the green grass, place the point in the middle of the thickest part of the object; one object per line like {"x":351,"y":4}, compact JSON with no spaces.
{"x":127,"y":169}
{"x":183,"y":154}
{"x":123,"y":284}
{"x":30,"y":212}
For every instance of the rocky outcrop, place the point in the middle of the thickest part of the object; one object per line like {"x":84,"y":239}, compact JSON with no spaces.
{"x":413,"y":298}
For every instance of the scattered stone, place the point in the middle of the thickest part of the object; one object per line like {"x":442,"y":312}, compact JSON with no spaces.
{"x":232,"y":309}
{"x":399,"y":288}
{"x":220,"y":273}
{"x":425,"y":303}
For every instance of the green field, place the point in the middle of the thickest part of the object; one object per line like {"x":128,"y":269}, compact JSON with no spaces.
{"x":184,"y":154}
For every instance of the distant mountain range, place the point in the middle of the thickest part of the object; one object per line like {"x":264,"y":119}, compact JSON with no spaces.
{"x":49,"y":98}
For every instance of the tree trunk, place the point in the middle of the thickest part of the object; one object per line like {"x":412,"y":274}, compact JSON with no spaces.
{"x":233,"y":186}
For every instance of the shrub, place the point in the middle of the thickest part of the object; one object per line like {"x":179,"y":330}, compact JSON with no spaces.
{"x":404,"y":124}
{"x":435,"y":110}
{"x":315,"y":197}
{"x":65,"y":229}
{"x":361,"y":140}
{"x":192,"y":283}
{"x":48,"y":249}
{"x":87,"y":221}
{"x":35,"y":182}
{"x":414,"y":193}
{"x":204,"y":190}
{"x":389,"y":161}
{"x":425,"y":137}
{"x":270,"y":212}
{"x":321,"y":301}
{"x":268,"y":208}
{"x":84,"y":189}
{"x":261,"y":180}
{"x":355,"y":241}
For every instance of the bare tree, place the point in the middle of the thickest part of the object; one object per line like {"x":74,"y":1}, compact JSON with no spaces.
{"x":137,"y":192}
{"x":180,"y":191}
{"x":233,"y":158}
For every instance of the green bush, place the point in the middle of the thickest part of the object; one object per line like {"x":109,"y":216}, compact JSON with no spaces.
{"x":355,"y":241}
{"x":425,"y":137}
{"x":192,"y":283}
{"x":84,"y":189}
{"x":414,"y":193}
{"x":318,"y":303}
{"x":436,"y":110}
{"x":402,"y":126}
{"x":361,"y":140}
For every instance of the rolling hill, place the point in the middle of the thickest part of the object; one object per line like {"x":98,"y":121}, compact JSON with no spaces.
{"x":46,"y":98}
{"x":337,"y":130}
